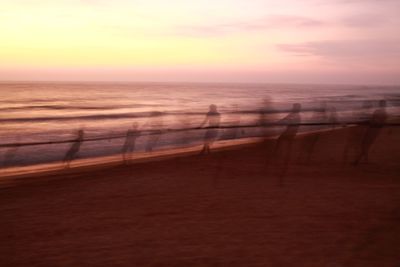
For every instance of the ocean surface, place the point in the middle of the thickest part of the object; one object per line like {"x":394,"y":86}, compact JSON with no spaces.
{"x":49,"y":113}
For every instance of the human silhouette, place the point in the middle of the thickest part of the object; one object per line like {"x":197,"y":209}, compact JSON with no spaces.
{"x":285,"y":140}
{"x":213,"y":119}
{"x":156,"y":124}
{"x":74,"y":149}
{"x":376,"y":123}
{"x":355,"y":134}
{"x":129,"y":146}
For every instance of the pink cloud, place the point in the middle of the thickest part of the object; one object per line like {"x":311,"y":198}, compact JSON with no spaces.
{"x":261,"y":24}
{"x":345,"y":48}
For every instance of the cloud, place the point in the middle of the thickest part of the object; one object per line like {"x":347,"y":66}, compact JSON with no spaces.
{"x":345,"y":49}
{"x":288,"y":21}
{"x":262,"y":24}
{"x":365,"y":20}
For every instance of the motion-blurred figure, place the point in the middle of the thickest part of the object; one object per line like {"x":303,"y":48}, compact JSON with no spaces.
{"x":356,"y":133}
{"x":74,"y":149}
{"x":156,"y":124}
{"x":310,"y":140}
{"x":375,"y":126}
{"x":129,"y":146}
{"x":213,"y":118}
{"x":285,"y":140}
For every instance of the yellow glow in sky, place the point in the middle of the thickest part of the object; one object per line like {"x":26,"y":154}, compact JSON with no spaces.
{"x":256,"y":40}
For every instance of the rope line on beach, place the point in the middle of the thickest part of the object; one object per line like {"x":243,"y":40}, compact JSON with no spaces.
{"x":164,"y":131}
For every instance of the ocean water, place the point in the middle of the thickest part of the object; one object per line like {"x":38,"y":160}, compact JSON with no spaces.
{"x":53,"y":112}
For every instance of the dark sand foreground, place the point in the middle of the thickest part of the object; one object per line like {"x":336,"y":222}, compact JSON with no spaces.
{"x":224,"y":209}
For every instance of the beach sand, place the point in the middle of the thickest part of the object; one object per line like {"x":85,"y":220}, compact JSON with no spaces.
{"x":223,"y":209}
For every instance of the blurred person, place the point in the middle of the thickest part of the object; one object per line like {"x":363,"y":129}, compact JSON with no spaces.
{"x":129,"y":146}
{"x":213,"y":119}
{"x":356,"y":133}
{"x":375,"y":125}
{"x":74,"y":149}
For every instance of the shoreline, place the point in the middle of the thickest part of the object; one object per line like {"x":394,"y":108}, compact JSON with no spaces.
{"x":10,"y":174}
{"x":14,"y":175}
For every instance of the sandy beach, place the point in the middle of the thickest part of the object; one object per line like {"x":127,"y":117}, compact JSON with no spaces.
{"x":200,"y":133}
{"x":227,"y":208}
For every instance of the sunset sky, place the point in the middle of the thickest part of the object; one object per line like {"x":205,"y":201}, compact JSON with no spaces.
{"x":315,"y":41}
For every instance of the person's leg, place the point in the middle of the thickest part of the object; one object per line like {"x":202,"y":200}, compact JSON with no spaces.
{"x":130,"y":155}
{"x":203,"y":150}
{"x":67,"y":159}
{"x":206,"y":147}
{"x":367,"y":142}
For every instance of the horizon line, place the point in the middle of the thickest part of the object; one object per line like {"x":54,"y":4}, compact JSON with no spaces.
{"x":197,"y":82}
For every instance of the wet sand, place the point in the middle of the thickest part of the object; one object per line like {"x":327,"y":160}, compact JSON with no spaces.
{"x":223,"y":209}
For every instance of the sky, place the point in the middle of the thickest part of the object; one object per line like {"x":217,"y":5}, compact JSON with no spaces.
{"x":308,"y":41}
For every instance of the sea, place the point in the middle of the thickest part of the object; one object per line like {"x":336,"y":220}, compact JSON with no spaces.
{"x":38,"y":120}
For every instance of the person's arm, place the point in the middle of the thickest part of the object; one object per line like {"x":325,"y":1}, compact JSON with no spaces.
{"x":286,"y":119}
